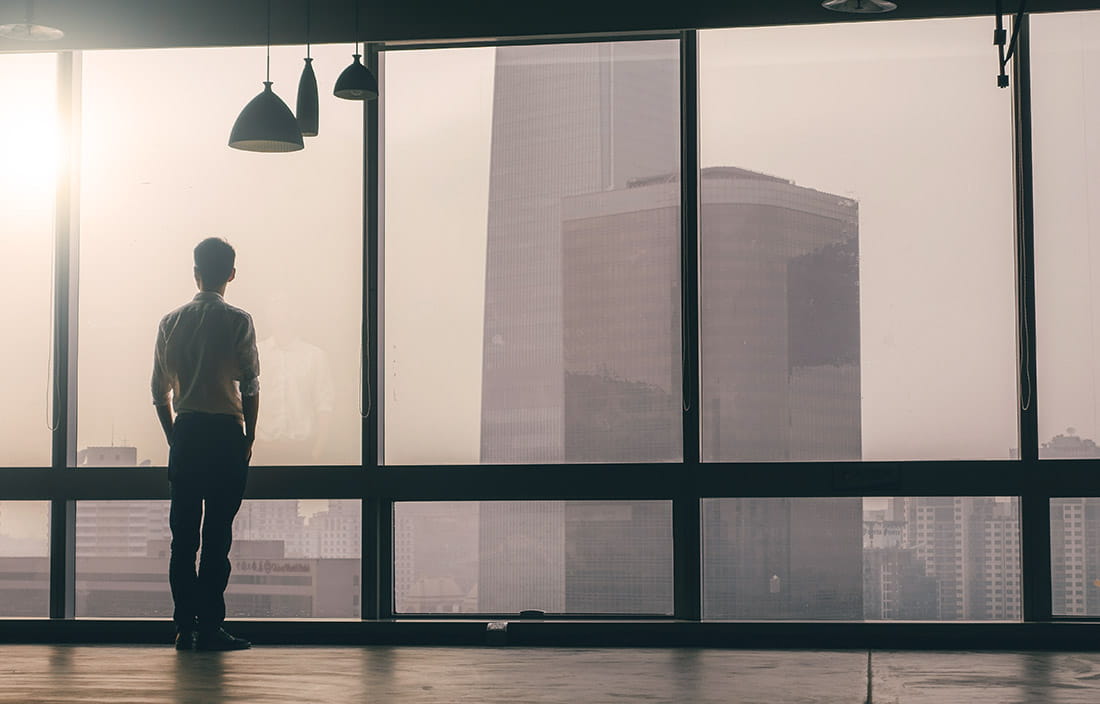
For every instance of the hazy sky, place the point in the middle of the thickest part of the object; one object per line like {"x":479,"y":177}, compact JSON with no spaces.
{"x":904,"y":117}
{"x":1066,"y":99}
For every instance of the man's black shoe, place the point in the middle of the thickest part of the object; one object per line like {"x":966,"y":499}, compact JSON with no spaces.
{"x":218,"y":639}
{"x":185,"y":640}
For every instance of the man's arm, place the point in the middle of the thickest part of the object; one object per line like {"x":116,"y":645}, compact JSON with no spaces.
{"x":249,"y":360}
{"x":167,"y":420}
{"x":251,"y":407}
{"x":161,"y":387}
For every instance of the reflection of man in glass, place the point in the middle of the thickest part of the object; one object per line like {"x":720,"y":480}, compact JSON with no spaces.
{"x":206,"y":370}
{"x":298,"y":389}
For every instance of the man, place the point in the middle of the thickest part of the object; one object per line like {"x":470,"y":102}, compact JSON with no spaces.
{"x":206,"y":390}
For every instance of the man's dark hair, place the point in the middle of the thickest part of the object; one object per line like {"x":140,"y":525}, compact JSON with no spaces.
{"x":214,"y":259}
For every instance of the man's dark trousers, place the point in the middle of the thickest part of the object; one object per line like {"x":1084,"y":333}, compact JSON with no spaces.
{"x":207,"y":464}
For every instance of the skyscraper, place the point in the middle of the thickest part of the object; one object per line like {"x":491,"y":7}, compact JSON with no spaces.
{"x":582,"y":343}
{"x":780,"y":362}
{"x":567,"y":119}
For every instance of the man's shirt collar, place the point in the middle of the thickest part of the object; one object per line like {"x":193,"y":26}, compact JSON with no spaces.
{"x":208,"y":296}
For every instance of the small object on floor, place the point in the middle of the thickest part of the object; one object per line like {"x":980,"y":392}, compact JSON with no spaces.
{"x":218,"y":639}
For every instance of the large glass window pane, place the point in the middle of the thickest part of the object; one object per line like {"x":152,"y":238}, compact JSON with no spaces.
{"x":895,"y":558}
{"x":1065,"y":104}
{"x":857,"y":274}
{"x":29,"y":145}
{"x":532,"y":305}
{"x":25,"y":558}
{"x":1075,"y":556}
{"x":502,"y":557}
{"x":157,"y":178}
{"x":290,"y":559}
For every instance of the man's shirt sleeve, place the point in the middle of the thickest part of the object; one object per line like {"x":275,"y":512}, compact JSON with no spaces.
{"x":160,"y":384}
{"x":248,"y":359}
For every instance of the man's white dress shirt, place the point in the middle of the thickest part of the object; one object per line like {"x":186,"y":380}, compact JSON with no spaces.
{"x":206,"y":357}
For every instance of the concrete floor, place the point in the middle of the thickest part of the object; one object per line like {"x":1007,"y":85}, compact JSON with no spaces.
{"x":403,"y":675}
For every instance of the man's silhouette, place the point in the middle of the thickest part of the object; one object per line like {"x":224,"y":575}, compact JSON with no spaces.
{"x":207,"y":394}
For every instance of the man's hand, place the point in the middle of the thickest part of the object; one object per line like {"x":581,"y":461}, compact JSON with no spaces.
{"x":251,"y":407}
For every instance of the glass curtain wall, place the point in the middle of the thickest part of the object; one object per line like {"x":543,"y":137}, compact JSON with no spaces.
{"x":531,"y":227}
{"x":1065,"y":66}
{"x":857,"y":281}
{"x":24,"y":558}
{"x":499,"y":557}
{"x":917,"y":558}
{"x":156,"y":179}
{"x":857,"y":302}
{"x":29,"y":142}
{"x":290,"y":559}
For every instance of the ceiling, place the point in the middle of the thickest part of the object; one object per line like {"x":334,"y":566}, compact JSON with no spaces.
{"x":100,"y":24}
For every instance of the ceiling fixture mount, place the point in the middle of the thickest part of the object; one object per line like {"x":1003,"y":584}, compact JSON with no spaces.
{"x":862,"y":7}
{"x":266,"y":124}
{"x":356,"y":82}
{"x":27,"y":30}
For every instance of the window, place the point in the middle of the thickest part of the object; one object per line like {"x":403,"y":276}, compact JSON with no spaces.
{"x":24,"y":558}
{"x":29,"y":143}
{"x":504,"y":557}
{"x":805,"y":559}
{"x":857,"y":275}
{"x":290,"y":559}
{"x":156,"y":179}
{"x":532,"y":304}
{"x":1065,"y":63}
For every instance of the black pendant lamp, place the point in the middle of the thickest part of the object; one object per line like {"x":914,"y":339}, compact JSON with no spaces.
{"x":356,"y":82}
{"x":307,"y":90}
{"x":266,"y":124}
{"x":29,"y":30}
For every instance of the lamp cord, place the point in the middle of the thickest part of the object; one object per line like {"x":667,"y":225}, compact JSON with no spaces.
{"x":1000,"y":37}
{"x":356,"y":26}
{"x":309,"y":6}
{"x":268,"y":42}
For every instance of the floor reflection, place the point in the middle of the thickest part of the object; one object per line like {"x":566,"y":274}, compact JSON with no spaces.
{"x":407,"y":675}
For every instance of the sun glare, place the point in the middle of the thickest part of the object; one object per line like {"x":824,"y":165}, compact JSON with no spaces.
{"x":28,"y":150}
{"x":28,"y":128}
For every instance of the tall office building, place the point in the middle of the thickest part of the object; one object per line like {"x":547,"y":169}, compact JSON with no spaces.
{"x":582,"y":343}
{"x":567,"y":119}
{"x":1074,"y":536}
{"x":780,"y":335}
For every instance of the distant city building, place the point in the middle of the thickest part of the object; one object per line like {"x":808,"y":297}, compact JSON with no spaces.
{"x":1074,"y":536}
{"x":895,"y":585}
{"x":264,"y":584}
{"x":117,"y":528}
{"x":971,"y":547}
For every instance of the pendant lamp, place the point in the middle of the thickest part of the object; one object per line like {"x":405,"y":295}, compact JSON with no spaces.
{"x":307,"y":90}
{"x":356,"y":82}
{"x":27,"y":30}
{"x":862,"y":7}
{"x":266,"y":124}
